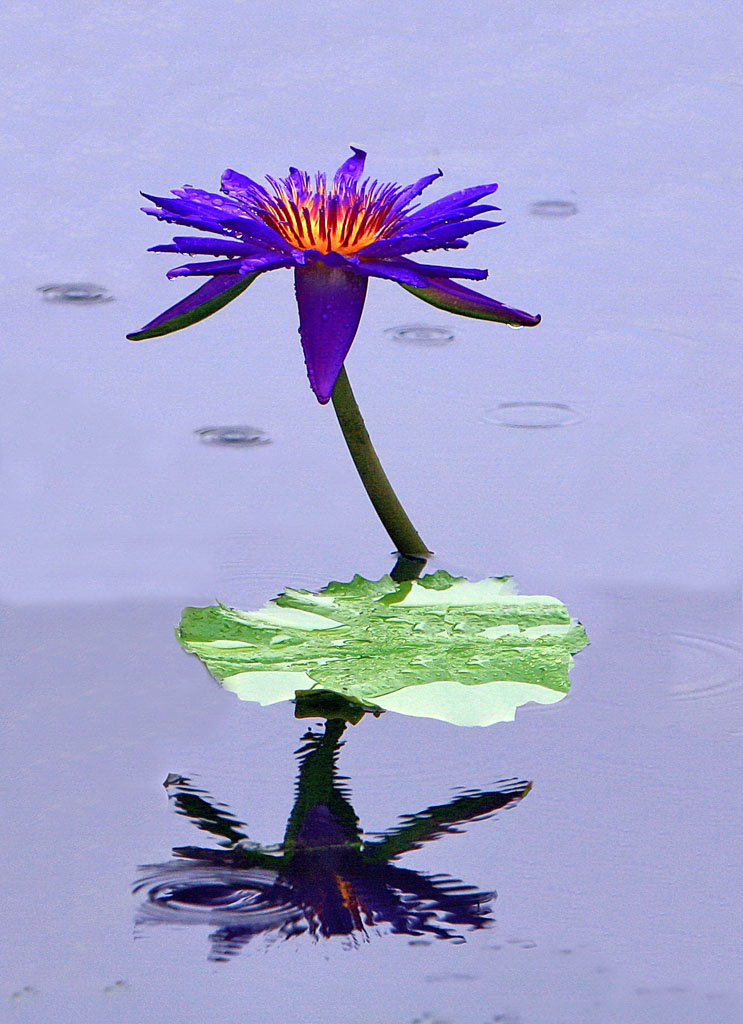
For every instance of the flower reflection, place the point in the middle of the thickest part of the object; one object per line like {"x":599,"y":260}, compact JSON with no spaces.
{"x":325,"y":878}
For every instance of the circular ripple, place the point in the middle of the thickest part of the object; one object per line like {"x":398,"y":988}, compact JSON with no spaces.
{"x":188,"y":893}
{"x":240,"y":436}
{"x":75,"y":292}
{"x":533,"y":415}
{"x":553,"y":208}
{"x":717,"y":666}
{"x":421,"y":334}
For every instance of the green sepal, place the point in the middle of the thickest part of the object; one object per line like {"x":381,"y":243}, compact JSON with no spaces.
{"x":180,"y":320}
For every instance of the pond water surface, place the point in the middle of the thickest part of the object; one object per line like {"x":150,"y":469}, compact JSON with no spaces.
{"x":580,"y":864}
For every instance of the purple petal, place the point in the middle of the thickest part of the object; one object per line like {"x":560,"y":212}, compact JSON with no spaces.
{"x":330,"y":301}
{"x":200,"y":304}
{"x":451,"y":216}
{"x":444,"y":237}
{"x":186,"y":208}
{"x":257,"y":231}
{"x":195,"y":246}
{"x":209,"y":200}
{"x":234,"y":183}
{"x":392,"y":270}
{"x":212,"y":218}
{"x":353,"y":168}
{"x":396,"y":246}
{"x":411,"y":191}
{"x":247,"y":265}
{"x":450,"y":232}
{"x":192,"y":221}
{"x":213,"y":267}
{"x":429,"y":270}
{"x":455,"y":298}
{"x":454,"y":201}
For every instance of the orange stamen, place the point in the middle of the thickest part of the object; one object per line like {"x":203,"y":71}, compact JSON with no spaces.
{"x":328,"y":220}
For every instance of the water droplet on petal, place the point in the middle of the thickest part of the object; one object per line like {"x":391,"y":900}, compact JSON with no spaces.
{"x":421,"y":334}
{"x":75,"y":292}
{"x":240,"y":436}
{"x":533,"y":415}
{"x":553,"y":208}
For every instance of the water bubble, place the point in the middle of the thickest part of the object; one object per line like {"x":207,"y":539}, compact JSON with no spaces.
{"x":74,"y":292}
{"x":533,"y":415}
{"x":240,"y":436}
{"x":553,"y":208}
{"x":421,"y":334}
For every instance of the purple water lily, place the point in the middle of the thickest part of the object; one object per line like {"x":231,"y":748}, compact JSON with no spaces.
{"x":335,"y":234}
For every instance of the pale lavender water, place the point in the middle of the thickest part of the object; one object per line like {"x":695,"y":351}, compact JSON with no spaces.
{"x":619,"y":874}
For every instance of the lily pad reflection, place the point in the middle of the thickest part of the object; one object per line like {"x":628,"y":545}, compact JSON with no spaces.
{"x":441,"y":647}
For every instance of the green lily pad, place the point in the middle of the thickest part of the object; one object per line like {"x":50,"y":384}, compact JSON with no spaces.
{"x":442,"y":647}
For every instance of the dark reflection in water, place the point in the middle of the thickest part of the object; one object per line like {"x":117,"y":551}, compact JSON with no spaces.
{"x":324,"y":879}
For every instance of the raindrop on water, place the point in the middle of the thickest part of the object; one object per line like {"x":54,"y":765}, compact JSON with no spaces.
{"x":553,"y":208}
{"x":421,"y":334}
{"x":232,"y":436}
{"x":715,"y":669}
{"x":533,"y":415}
{"x":74,"y":292}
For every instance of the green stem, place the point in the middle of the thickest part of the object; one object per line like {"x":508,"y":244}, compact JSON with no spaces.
{"x":386,"y":504}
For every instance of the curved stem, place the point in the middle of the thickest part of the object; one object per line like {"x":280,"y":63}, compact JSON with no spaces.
{"x":386,"y":504}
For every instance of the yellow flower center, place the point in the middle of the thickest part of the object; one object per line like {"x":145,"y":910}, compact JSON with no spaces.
{"x":327,"y":219}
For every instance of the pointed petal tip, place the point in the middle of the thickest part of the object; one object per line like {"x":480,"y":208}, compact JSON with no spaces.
{"x":228,"y":176}
{"x":519,"y":318}
{"x":330,"y":302}
{"x":352,"y":168}
{"x":455,"y":298}
{"x":207,"y":299}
